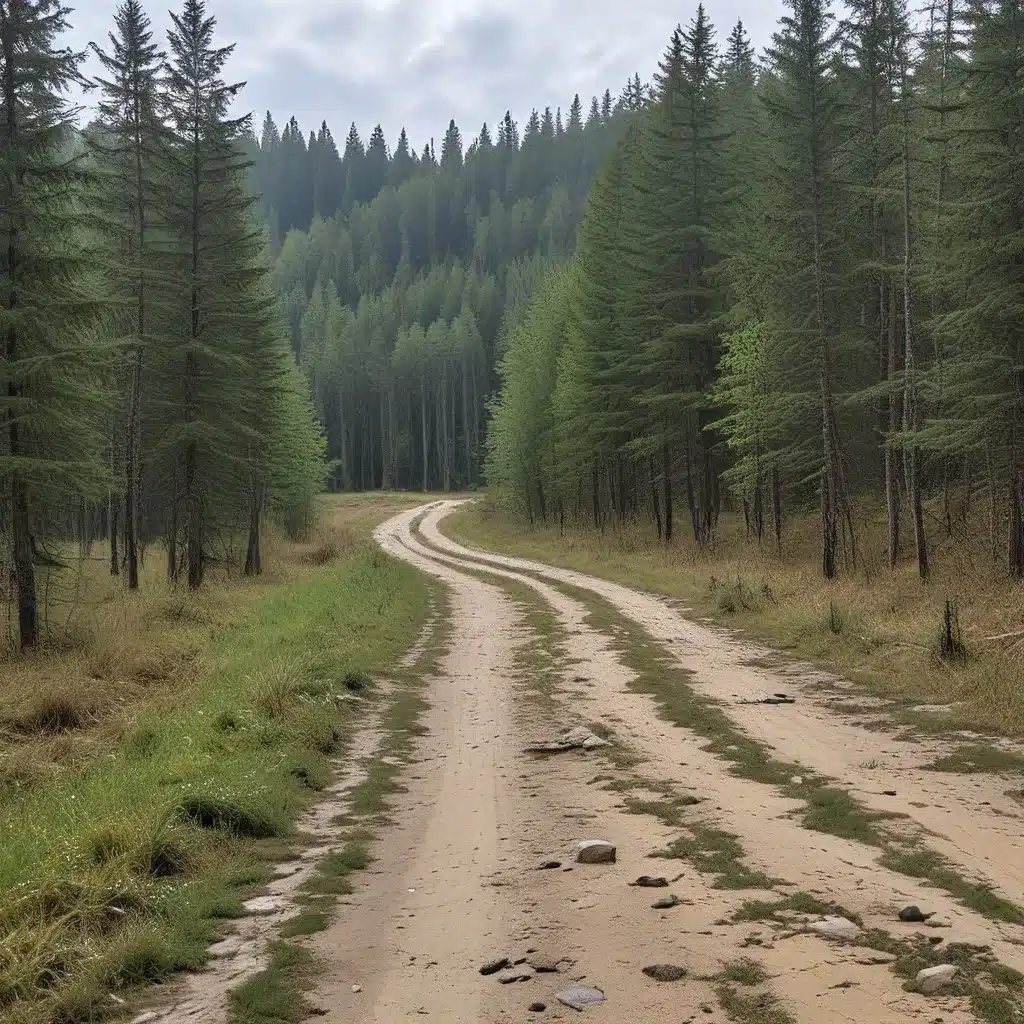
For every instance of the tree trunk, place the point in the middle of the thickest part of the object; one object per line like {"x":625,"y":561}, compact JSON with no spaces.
{"x":112,"y":515}
{"x":467,"y":438}
{"x":910,"y":416}
{"x":666,"y":489}
{"x":193,"y":520}
{"x":1015,"y":535}
{"x":777,"y":508}
{"x":423,"y":417}
{"x":253,"y":556}
{"x":131,"y":514}
{"x":655,"y":503}
{"x":24,"y":567}
{"x":346,"y":454}
{"x":172,"y":536}
{"x":892,"y":496}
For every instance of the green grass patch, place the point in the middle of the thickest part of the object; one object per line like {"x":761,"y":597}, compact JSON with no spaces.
{"x":716,"y":852}
{"x":920,"y":862}
{"x":669,"y":810}
{"x":120,"y":874}
{"x":795,"y":903}
{"x":743,"y":972}
{"x":752,"y":1008}
{"x":275,"y":995}
{"x":979,"y":757}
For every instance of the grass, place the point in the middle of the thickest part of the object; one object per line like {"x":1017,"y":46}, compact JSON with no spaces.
{"x":752,"y":1008}
{"x":743,"y":972}
{"x":719,"y":853}
{"x":873,"y":626}
{"x":130,"y":845}
{"x":979,"y":757}
{"x":275,"y":995}
{"x":794,"y":903}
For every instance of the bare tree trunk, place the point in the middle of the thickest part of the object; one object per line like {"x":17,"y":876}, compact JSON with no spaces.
{"x":131,"y":513}
{"x":24,"y":567}
{"x":655,"y":504}
{"x":467,"y":438}
{"x":892,"y":495}
{"x":423,"y":417}
{"x":910,"y":417}
{"x":172,"y":535}
{"x":113,"y":526}
{"x":253,"y":554}
{"x":193,"y":521}
{"x":777,"y":507}
{"x":666,"y":489}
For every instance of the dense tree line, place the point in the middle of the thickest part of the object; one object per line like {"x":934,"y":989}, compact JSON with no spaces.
{"x":401,"y":274}
{"x":798,"y":282}
{"x":149,"y":388}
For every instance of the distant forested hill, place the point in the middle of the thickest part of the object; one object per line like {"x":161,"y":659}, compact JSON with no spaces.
{"x":400,"y":273}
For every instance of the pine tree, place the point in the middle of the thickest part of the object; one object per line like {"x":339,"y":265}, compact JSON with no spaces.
{"x":131,"y":150}
{"x":806,"y":133}
{"x":451,"y":148}
{"x":50,"y":316}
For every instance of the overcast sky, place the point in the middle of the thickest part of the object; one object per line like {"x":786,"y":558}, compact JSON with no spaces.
{"x":419,"y":63}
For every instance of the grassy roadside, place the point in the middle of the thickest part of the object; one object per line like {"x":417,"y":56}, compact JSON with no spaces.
{"x":159,"y":808}
{"x":278,"y":993}
{"x":877,"y":628}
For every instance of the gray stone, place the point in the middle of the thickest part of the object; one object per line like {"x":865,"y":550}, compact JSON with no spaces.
{"x":520,"y":973}
{"x":543,"y":963}
{"x":913,"y":914}
{"x":665,"y":972}
{"x":595,"y":851}
{"x":578,"y":997}
{"x":666,"y":902}
{"x":832,"y":927}
{"x":548,"y":865}
{"x":651,"y":882}
{"x":266,"y":905}
{"x":538,"y":1007}
{"x":493,"y":966}
{"x":579,"y":738}
{"x":931,"y":979}
{"x":939,"y":922}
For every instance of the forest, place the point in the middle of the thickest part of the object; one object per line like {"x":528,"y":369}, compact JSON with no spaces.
{"x":150,"y":394}
{"x":400,"y":274}
{"x":797,"y":288}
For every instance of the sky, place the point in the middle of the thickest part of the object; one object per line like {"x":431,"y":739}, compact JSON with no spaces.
{"x":418,"y":63}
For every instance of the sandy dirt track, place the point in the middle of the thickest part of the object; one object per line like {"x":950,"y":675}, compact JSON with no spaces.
{"x":456,"y":883}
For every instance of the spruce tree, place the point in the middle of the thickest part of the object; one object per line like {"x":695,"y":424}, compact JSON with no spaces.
{"x":131,"y":151}
{"x":50,"y":315}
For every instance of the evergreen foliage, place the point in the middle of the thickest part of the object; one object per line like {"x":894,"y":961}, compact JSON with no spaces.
{"x":799,"y":277}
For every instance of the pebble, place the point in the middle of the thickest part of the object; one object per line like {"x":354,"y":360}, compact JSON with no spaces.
{"x":665,"y":972}
{"x":538,"y":1007}
{"x":939,"y":922}
{"x":931,"y":979}
{"x":548,"y":865}
{"x":493,"y":966}
{"x":544,"y":964}
{"x":520,"y":973}
{"x":651,"y":882}
{"x":913,"y":914}
{"x":579,"y":997}
{"x":666,"y":902}
{"x":357,"y":988}
{"x":833,"y":927}
{"x":595,"y":851}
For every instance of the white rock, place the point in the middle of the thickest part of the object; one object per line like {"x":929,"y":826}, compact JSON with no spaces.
{"x":266,"y":904}
{"x":797,"y":780}
{"x":832,"y":927}
{"x":595,"y":851}
{"x":939,"y":922}
{"x":357,"y":988}
{"x":931,"y":979}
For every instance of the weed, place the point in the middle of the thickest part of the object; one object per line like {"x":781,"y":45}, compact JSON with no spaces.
{"x":759,"y":1008}
{"x":743,"y":972}
{"x":225,"y":813}
{"x":714,"y":851}
{"x":668,"y":810}
{"x":975,"y":758}
{"x":835,"y":618}
{"x":274,"y":996}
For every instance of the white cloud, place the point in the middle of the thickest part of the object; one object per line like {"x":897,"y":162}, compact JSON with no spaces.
{"x":419,"y":63}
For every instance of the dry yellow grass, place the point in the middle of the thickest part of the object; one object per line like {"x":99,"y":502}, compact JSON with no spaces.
{"x":109,"y":654}
{"x":878,"y":627}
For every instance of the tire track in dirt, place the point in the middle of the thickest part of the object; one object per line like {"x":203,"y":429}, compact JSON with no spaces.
{"x":838,"y":869}
{"x":970,"y":819}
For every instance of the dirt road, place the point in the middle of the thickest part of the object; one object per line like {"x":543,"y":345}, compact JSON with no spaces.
{"x":457,"y":880}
